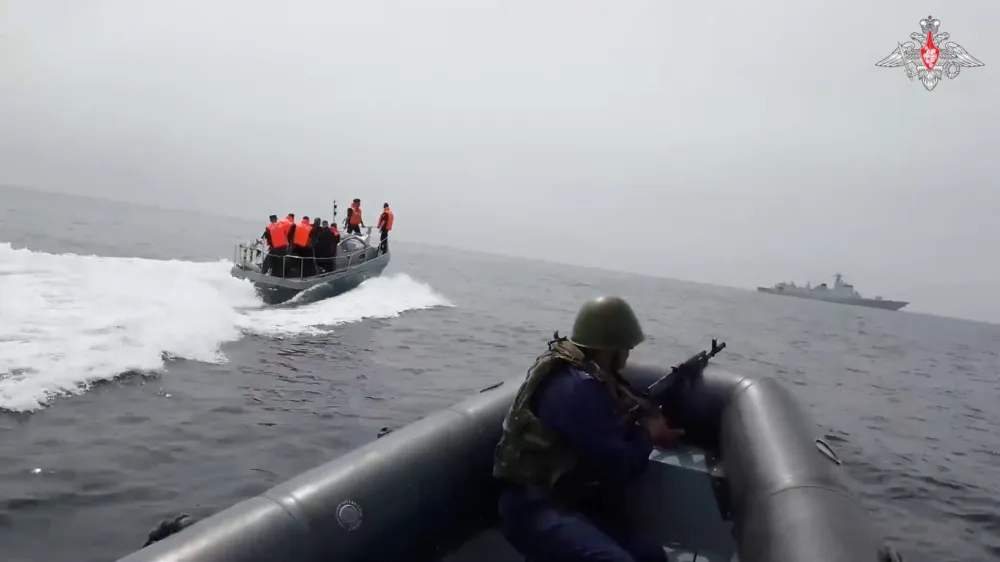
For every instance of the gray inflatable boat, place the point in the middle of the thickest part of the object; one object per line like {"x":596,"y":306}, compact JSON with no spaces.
{"x":752,"y":483}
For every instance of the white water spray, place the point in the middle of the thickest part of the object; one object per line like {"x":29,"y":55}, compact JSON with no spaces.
{"x":68,"y":321}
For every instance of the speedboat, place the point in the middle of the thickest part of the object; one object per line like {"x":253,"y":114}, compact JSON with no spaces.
{"x":358,"y":259}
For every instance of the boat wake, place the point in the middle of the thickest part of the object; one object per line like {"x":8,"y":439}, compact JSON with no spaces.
{"x":68,"y":321}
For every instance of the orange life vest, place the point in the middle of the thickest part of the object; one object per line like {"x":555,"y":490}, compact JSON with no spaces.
{"x":302,"y":231}
{"x":334,"y":230}
{"x":387,"y":214}
{"x":355,"y":216}
{"x":279,"y":234}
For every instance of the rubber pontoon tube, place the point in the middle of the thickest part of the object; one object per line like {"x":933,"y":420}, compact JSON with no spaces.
{"x":788,"y":497}
{"x":410,"y":490}
{"x":789,"y":501}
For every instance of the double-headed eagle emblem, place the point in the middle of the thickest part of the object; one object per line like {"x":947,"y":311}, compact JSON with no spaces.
{"x":930,"y":55}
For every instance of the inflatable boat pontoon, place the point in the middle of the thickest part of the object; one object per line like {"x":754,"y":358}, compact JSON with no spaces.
{"x":753,"y":483}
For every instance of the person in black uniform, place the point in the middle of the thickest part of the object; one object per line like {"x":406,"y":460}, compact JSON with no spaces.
{"x":323,"y":246}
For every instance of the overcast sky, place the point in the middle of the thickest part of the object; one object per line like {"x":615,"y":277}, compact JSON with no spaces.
{"x":735,"y":143}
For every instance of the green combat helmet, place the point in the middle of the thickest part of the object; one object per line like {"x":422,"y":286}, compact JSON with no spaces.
{"x":607,"y":323}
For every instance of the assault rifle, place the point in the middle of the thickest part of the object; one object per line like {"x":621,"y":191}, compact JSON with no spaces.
{"x":655,"y":394}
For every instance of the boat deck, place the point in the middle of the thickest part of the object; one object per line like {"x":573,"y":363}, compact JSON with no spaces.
{"x":674,"y":502}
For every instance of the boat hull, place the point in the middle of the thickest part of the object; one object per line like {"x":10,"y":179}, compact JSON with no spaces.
{"x":838,"y":299}
{"x":277,"y":290}
{"x":426,"y":492}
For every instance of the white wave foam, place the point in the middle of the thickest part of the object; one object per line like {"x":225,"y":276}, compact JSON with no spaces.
{"x":381,"y":297}
{"x":67,"y":321}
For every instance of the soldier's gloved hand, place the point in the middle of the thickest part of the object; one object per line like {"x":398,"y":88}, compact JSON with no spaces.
{"x":662,"y":435}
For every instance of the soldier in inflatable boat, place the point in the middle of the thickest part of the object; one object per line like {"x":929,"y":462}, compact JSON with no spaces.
{"x":570,"y":444}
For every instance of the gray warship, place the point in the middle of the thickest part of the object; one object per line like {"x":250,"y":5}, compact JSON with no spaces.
{"x":842,"y":292}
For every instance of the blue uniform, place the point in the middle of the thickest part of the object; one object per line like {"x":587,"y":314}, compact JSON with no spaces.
{"x":579,"y":408}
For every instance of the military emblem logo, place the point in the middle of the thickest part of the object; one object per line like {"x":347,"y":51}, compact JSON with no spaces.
{"x":930,"y":55}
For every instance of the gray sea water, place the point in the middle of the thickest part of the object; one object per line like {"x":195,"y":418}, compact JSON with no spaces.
{"x":246,"y":397}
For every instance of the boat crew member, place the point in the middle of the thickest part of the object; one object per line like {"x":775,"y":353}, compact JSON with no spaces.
{"x":336,"y":243}
{"x":271,"y":221}
{"x":334,"y":239}
{"x":336,"y":235}
{"x":384,"y":226}
{"x":316,"y":224}
{"x":303,"y":247}
{"x":568,"y":429}
{"x":289,"y":224}
{"x":354,"y":222}
{"x":277,"y":246}
{"x":322,"y":246}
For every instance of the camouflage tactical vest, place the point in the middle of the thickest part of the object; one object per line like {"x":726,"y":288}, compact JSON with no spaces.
{"x":530,"y":454}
